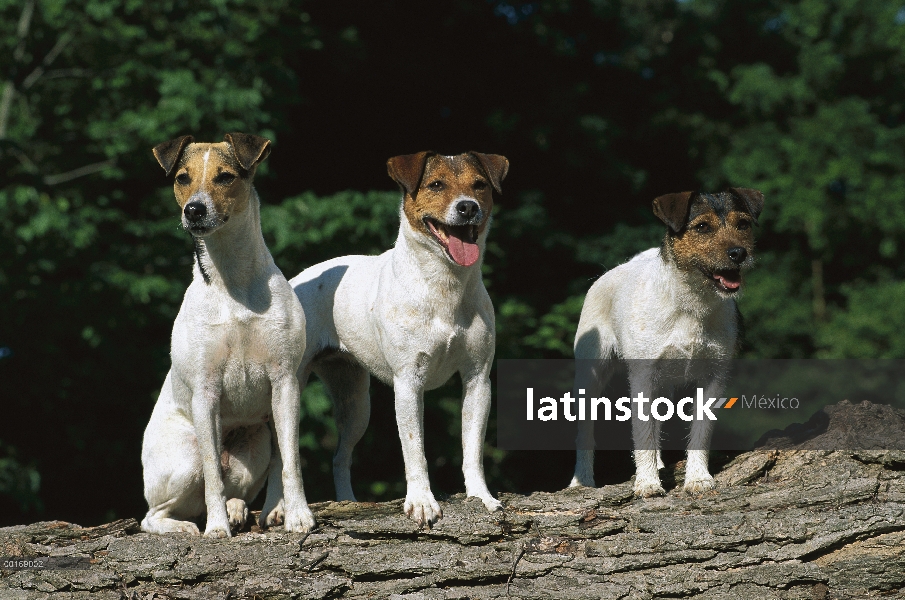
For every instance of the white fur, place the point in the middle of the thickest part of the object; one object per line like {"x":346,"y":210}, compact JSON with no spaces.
{"x":413,"y":318}
{"x":236,"y":345}
{"x":648,"y":309}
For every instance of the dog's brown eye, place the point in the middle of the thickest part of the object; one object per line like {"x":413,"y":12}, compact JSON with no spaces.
{"x":479,"y":185}
{"x":702,"y":227}
{"x":224,"y":178}
{"x":436,"y":185}
{"x":743,"y":225}
{"x":183,"y":179}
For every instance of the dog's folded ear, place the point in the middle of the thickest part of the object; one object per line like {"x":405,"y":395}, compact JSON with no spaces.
{"x":672,"y":209}
{"x":250,"y":150}
{"x":407,"y":170}
{"x":168,"y":153}
{"x":753,"y":199}
{"x":495,"y":166}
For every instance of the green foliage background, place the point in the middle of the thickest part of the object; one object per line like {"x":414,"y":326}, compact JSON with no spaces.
{"x":600,"y":106}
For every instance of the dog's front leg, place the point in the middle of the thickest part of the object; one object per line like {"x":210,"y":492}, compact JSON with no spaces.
{"x":475,"y":409}
{"x":297,"y":516}
{"x":206,"y":419}
{"x":420,"y":504}
{"x":697,"y":473}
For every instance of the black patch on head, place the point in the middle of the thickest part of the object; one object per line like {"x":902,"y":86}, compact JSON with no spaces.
{"x":721,"y":204}
{"x":199,"y":250}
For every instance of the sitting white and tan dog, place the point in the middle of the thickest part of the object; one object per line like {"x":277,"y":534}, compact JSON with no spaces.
{"x":669,"y":303}
{"x":236,"y":346}
{"x":413,"y":316}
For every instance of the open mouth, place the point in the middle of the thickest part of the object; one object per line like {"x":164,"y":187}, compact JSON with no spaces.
{"x":459,"y":241}
{"x":726,"y":280}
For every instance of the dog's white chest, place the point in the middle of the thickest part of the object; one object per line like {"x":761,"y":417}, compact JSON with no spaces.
{"x":447,"y":345}
{"x":238,"y":354}
{"x":243,"y":353}
{"x":685,"y":338}
{"x":223,"y":340}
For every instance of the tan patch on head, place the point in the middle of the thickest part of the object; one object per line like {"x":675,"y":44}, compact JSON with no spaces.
{"x":445,"y":180}
{"x":707,"y":240}
{"x":212,"y":169}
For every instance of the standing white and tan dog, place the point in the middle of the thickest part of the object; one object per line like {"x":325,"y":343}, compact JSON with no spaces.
{"x":668,"y":303}
{"x":237,"y":343}
{"x":413,"y":316}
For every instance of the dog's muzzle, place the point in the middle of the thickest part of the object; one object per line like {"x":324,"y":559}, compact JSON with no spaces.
{"x":200,"y":217}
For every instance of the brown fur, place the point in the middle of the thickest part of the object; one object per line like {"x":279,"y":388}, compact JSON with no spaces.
{"x":709,"y":225}
{"x":236,"y":157}
{"x":709,"y":250}
{"x":461,"y":175}
{"x":229,"y":197}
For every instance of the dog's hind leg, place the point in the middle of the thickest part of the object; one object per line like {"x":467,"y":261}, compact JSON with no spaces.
{"x":245,"y":461}
{"x":237,"y":512}
{"x":347,"y":384}
{"x":594,"y":366}
{"x":157,"y":521}
{"x":591,"y":377}
{"x":174,"y":487}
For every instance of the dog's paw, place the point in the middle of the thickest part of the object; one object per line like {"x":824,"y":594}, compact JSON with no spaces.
{"x":169,"y":526}
{"x":477,"y":488}
{"x":237,"y":512}
{"x":423,"y":509}
{"x":274,"y":518}
{"x":216,"y":531}
{"x":299,"y":521}
{"x":648,"y":489}
{"x":582,"y":482}
{"x":699,"y":485}
{"x":187,"y":527}
{"x":490,"y":503}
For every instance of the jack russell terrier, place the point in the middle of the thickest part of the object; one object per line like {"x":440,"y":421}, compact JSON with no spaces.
{"x":413,"y":316}
{"x":672,"y":302}
{"x":236,"y":346}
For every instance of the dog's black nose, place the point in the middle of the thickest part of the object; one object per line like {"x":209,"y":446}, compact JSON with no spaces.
{"x":467,"y":209}
{"x":737,"y":254}
{"x":195,"y":211}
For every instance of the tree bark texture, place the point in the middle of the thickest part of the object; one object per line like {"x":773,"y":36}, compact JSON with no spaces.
{"x":790,"y":523}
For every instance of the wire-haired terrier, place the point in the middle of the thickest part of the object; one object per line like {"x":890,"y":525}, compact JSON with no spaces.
{"x":672,"y":302}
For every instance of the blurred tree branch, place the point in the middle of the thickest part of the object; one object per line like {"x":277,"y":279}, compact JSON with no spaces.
{"x":9,"y":89}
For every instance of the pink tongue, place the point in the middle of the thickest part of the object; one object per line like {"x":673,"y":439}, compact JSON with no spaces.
{"x":464,"y":253}
{"x":729,"y":285}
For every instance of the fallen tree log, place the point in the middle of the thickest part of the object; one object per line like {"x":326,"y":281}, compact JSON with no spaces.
{"x":788,"y":523}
